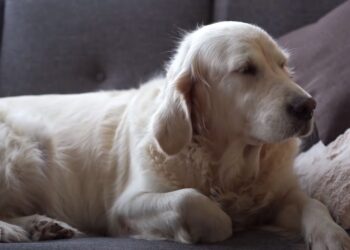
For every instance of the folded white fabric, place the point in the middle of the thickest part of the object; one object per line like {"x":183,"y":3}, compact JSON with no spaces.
{"x":324,"y":174}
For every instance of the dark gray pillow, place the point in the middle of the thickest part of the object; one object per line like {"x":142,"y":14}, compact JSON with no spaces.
{"x":321,"y":60}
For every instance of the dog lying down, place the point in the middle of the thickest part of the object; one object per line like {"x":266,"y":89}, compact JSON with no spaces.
{"x":191,"y":157}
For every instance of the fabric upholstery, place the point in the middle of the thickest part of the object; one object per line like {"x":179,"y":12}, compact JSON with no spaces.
{"x":277,"y":17}
{"x":242,"y":241}
{"x":321,"y":62}
{"x":2,"y":6}
{"x":67,"y":46}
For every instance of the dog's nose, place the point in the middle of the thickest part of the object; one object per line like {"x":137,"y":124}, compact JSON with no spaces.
{"x":302,"y":108}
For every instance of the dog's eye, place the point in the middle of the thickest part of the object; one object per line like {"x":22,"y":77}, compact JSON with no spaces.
{"x":282,"y":65}
{"x":249,"y":69}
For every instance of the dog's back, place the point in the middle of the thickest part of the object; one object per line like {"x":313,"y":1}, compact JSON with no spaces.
{"x":55,"y":154}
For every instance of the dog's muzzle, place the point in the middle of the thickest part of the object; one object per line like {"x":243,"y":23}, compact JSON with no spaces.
{"x":302,"y":108}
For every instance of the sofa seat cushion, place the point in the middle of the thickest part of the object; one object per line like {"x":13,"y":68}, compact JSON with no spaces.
{"x":252,"y":240}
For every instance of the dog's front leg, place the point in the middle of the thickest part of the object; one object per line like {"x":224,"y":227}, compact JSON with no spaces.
{"x":184,"y":215}
{"x":310,"y":217}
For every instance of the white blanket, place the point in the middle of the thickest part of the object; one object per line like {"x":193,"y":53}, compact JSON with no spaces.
{"x":324,"y":173}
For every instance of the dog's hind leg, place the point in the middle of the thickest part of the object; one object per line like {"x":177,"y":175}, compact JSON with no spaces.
{"x":40,"y":227}
{"x":12,"y":233}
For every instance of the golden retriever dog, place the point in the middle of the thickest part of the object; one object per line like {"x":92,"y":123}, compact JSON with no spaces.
{"x":194,"y":156}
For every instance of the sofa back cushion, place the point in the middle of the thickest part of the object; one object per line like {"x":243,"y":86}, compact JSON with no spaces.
{"x":67,"y":46}
{"x":320,"y":58}
{"x":276,"y":16}
{"x":70,"y":46}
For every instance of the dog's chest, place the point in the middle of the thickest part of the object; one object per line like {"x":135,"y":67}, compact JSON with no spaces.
{"x":245,"y":199}
{"x":247,"y":202}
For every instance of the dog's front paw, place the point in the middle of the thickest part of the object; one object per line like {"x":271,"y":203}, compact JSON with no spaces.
{"x":331,"y":237}
{"x":202,"y":219}
{"x":12,"y":233}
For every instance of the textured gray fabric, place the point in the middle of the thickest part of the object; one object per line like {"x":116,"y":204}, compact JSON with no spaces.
{"x":321,"y":62}
{"x":67,"y":46}
{"x":2,"y":6}
{"x":277,"y":17}
{"x":241,"y":241}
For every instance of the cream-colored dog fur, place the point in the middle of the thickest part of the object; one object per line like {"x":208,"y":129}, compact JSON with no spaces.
{"x":190,"y":157}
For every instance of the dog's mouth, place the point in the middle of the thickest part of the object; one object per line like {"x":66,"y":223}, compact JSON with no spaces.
{"x":285,"y":129}
{"x":297,"y":129}
{"x":304,"y":129}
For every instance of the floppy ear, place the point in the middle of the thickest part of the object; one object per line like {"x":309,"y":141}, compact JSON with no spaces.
{"x":184,"y":95}
{"x":172,"y":126}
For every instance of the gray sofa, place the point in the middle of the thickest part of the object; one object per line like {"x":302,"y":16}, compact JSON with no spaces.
{"x":71,"y":46}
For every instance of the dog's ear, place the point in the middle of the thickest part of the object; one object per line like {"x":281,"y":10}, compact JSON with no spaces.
{"x":172,"y":126}
{"x":184,"y":97}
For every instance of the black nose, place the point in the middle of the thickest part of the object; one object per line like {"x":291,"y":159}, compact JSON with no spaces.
{"x":302,"y":108}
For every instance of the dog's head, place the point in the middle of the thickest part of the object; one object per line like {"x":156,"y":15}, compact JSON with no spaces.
{"x":230,"y":79}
